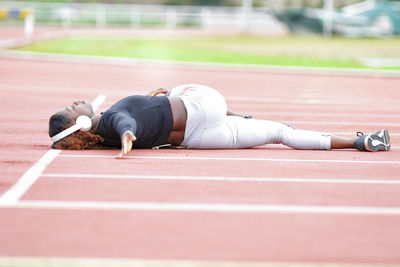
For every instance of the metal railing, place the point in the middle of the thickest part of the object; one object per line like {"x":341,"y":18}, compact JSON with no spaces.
{"x":241,"y":19}
{"x":103,"y":15}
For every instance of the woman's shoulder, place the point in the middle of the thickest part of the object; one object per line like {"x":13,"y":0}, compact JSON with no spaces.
{"x":126,"y":102}
{"x":137,"y":102}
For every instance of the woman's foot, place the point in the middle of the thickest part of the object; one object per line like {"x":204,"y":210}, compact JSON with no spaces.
{"x":379,"y":141}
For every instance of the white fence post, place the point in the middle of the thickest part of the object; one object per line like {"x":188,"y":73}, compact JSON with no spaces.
{"x":136,"y":18}
{"x":171,"y":18}
{"x":100,"y":17}
{"x":65,"y":16}
{"x":29,"y":25}
{"x":247,"y":6}
{"x":328,"y":22}
{"x":205,"y":18}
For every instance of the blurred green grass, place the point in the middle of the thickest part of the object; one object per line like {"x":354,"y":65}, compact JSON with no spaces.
{"x":310,"y":51}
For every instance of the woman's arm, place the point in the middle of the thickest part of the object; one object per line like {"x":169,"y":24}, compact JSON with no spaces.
{"x":125,"y":126}
{"x":127,"y":140}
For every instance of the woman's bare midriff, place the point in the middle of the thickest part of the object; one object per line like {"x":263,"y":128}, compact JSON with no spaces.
{"x":179,"y":115}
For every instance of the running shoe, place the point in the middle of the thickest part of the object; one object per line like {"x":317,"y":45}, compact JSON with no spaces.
{"x":379,"y":141}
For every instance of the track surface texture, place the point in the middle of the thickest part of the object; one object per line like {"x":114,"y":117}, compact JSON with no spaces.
{"x":267,"y":204}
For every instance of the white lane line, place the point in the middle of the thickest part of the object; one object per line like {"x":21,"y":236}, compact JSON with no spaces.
{"x":208,"y":207}
{"x":313,"y":101}
{"x":237,"y":159}
{"x":350,"y":123}
{"x":324,"y":115}
{"x":126,"y":262}
{"x":12,"y":195}
{"x":98,"y":101}
{"x":354,"y":134}
{"x":213,"y":178}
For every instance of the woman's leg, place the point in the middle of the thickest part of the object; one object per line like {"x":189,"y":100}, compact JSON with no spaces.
{"x":238,"y":132}
{"x":252,"y":132}
{"x":338,"y":142}
{"x":209,"y":127}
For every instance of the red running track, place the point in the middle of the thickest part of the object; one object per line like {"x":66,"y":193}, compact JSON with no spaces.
{"x":267,"y":204}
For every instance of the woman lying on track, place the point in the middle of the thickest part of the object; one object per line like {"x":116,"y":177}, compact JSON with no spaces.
{"x":192,"y":116}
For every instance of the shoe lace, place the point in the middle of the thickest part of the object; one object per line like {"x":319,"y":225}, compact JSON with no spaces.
{"x":359,"y":134}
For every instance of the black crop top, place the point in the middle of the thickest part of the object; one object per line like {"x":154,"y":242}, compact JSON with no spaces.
{"x":148,"y":117}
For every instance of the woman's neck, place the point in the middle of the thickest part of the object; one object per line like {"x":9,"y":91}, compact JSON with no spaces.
{"x":95,"y":123}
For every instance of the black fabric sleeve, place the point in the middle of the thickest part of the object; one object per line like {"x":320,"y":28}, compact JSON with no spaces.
{"x":122,"y":122}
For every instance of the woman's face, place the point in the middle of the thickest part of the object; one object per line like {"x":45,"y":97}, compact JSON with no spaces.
{"x":77,"y":109}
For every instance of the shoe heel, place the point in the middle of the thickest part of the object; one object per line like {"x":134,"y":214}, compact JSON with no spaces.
{"x":386,"y":138}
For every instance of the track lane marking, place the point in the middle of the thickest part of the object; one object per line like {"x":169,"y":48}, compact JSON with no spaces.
{"x":350,"y":123}
{"x":234,"y":159}
{"x":323,"y":115}
{"x":98,"y":101}
{"x":206,"y":207}
{"x":343,"y":133}
{"x":213,"y":178}
{"x":126,"y":262}
{"x":13,"y":194}
{"x":307,"y":101}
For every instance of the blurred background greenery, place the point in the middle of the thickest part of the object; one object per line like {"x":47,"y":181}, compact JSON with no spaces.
{"x":160,"y":2}
{"x":310,"y":51}
{"x":313,"y":33}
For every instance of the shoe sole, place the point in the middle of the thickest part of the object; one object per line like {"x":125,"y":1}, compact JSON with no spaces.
{"x":378,"y":141}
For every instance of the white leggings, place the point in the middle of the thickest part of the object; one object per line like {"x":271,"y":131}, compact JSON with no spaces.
{"x":209,"y":127}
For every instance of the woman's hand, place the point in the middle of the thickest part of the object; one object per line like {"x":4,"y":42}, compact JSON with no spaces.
{"x":158,"y":91}
{"x":233,"y":113}
{"x":127,"y":140}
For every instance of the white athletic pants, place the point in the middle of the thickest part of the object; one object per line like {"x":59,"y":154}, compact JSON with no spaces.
{"x":209,"y":127}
